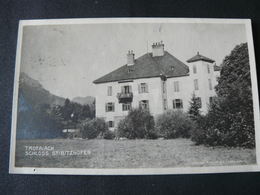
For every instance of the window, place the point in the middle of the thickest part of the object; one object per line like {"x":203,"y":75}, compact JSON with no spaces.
{"x":164,"y":86}
{"x":211,"y":99}
{"x":208,"y":68}
{"x":196,"y":85}
{"x":194,"y":69}
{"x":109,"y":90}
{"x":172,"y":68}
{"x":126,"y":106}
{"x":198,"y":99}
{"x":165,"y":104}
{"x":144,"y":104}
{"x":177,"y":104}
{"x":126,"y":89}
{"x":217,"y":78}
{"x":210,"y":84}
{"x":176,"y":86}
{"x":143,"y":88}
{"x":110,"y":107}
{"x":110,"y":124}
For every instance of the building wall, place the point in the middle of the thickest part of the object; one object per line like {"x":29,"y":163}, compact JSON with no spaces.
{"x":184,"y":93}
{"x":158,"y":93}
{"x":154,"y":96}
{"x":203,"y":76}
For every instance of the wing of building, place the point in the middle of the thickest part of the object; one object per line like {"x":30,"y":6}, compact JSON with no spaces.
{"x":157,"y":81}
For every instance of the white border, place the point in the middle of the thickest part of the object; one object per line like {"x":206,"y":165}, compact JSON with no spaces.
{"x":140,"y":171}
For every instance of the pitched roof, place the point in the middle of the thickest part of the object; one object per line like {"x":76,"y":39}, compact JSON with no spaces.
{"x":199,"y":57}
{"x":216,"y":68}
{"x":147,"y":66}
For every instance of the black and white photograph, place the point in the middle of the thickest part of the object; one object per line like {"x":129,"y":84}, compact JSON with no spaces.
{"x":135,"y":96}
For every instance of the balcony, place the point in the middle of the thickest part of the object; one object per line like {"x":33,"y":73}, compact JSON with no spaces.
{"x":125,"y":97}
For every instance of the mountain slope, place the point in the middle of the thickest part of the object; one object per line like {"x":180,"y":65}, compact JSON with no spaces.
{"x":84,"y":100}
{"x":35,"y":94}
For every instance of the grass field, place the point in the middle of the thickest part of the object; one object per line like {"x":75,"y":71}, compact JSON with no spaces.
{"x":128,"y":154}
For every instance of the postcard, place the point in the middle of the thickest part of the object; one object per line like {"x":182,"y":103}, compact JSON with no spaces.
{"x":135,"y":96}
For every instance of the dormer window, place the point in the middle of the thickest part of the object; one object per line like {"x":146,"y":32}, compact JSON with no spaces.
{"x":172,"y":68}
{"x":129,"y":71}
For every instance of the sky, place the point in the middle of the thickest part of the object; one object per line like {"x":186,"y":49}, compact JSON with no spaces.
{"x":67,"y":58}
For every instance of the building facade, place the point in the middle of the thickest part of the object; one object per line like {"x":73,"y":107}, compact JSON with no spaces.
{"x":156,"y":81}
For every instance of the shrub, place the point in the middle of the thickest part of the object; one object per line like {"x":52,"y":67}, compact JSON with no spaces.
{"x":198,"y":134}
{"x":229,"y":129}
{"x":175,"y":124}
{"x":109,"y":135}
{"x":138,"y":124}
{"x":92,"y":128}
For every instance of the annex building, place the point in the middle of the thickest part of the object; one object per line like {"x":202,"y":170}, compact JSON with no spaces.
{"x":157,"y":81}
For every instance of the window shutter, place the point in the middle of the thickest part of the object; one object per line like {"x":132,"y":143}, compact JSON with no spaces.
{"x":122,"y":89}
{"x":130,"y":89}
{"x":146,"y":87}
{"x":140,"y":104}
{"x":106,"y":107}
{"x":148,"y":104}
{"x":113,"y":104}
{"x":139,"y":88}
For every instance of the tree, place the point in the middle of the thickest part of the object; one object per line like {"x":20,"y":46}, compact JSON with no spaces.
{"x":43,"y":122}
{"x":92,"y":128}
{"x":235,"y":84}
{"x":194,"y":109}
{"x":85,"y":112}
{"x":230,"y":120}
{"x":67,"y":110}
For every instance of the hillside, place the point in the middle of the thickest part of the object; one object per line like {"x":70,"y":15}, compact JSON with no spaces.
{"x":34,"y":93}
{"x":84,"y":100}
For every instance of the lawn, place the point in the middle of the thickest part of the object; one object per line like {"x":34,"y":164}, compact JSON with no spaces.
{"x":127,"y":154}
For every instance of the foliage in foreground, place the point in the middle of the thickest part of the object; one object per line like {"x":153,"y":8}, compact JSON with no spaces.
{"x":230,"y":119}
{"x":44,"y":122}
{"x":194,"y":110}
{"x":138,"y":124}
{"x":92,"y":128}
{"x":109,"y":135}
{"x":174,"y":124}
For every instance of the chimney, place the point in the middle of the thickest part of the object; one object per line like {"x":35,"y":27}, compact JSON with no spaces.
{"x":130,"y":58}
{"x":158,"y":49}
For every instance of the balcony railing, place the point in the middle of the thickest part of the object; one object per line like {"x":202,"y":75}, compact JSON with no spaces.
{"x":125,"y":97}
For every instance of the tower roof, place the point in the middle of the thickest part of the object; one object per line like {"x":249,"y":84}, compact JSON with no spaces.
{"x":199,"y":57}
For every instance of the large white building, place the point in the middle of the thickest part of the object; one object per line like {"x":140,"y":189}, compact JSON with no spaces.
{"x":156,"y":81}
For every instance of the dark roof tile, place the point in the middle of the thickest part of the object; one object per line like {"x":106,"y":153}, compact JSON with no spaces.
{"x":147,"y":66}
{"x":216,"y":68}
{"x":199,"y":57}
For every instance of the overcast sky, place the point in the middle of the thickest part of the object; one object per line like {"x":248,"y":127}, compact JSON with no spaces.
{"x":66,"y":59}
